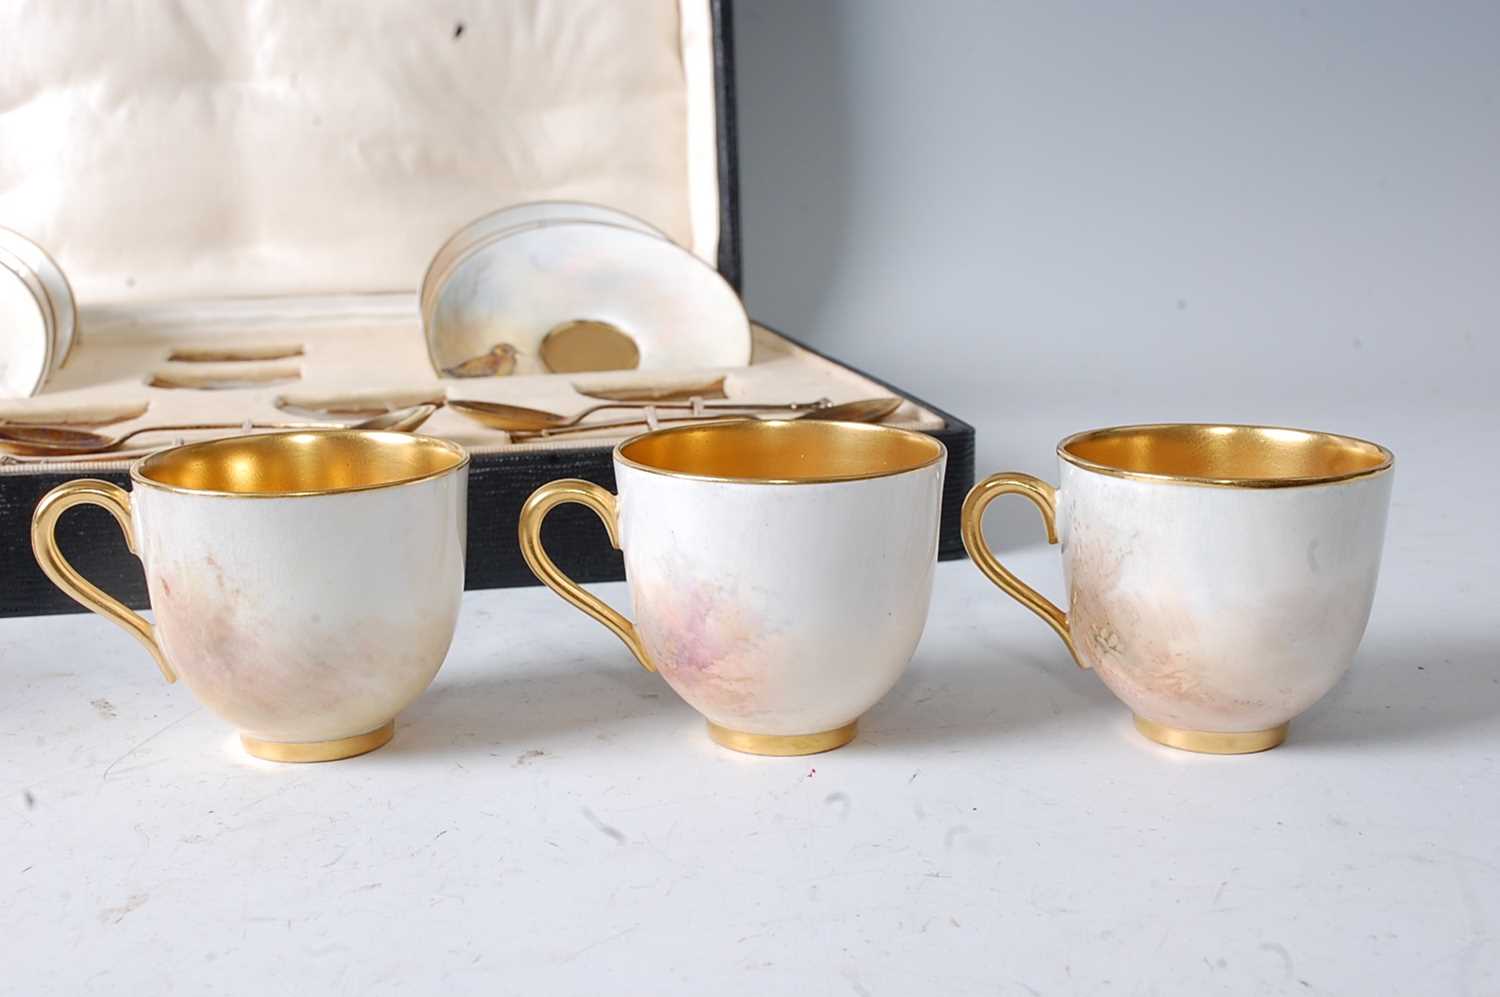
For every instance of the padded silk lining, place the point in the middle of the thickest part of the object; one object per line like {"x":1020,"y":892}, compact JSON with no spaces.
{"x":372,"y":346}
{"x":169,"y":150}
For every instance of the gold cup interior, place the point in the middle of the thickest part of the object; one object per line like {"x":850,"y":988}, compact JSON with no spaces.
{"x":1242,"y":456}
{"x":314,"y":462}
{"x":781,"y":452}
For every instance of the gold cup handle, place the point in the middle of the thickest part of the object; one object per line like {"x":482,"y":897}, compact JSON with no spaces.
{"x":588,"y":494}
{"x":1044,"y":497}
{"x":88,"y":491}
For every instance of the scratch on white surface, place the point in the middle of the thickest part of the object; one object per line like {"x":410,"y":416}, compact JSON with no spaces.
{"x":1049,"y":908}
{"x":667,"y":856}
{"x":855,"y":984}
{"x":1467,"y":857}
{"x":1286,"y":957}
{"x":1479,"y":922}
{"x":603,"y":828}
{"x":114,"y":915}
{"x":269,"y":796}
{"x":603,"y":941}
{"x":675,"y":803}
{"x":147,"y":741}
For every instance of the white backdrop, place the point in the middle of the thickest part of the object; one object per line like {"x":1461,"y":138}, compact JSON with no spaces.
{"x":1049,"y":215}
{"x":1046,"y":217}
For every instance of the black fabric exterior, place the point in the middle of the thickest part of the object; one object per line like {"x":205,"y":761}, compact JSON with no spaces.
{"x":728,"y":142}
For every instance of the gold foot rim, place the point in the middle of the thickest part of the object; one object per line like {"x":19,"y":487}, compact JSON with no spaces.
{"x":1211,"y":742}
{"x":319,"y":751}
{"x":782,"y":744}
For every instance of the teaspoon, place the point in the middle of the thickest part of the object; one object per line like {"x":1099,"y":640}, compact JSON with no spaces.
{"x":862,"y":410}
{"x":519,"y":419}
{"x":62,"y":439}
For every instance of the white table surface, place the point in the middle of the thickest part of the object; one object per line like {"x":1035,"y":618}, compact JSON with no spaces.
{"x":551,"y":819}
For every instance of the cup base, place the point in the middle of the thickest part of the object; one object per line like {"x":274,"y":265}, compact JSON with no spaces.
{"x":319,"y":751}
{"x":782,"y":744}
{"x":1212,"y":742}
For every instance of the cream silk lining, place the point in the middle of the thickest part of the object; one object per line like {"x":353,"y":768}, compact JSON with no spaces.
{"x":283,"y":171}
{"x":182,"y":151}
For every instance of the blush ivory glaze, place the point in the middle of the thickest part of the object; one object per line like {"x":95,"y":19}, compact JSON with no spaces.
{"x":1219,"y":608}
{"x":305,"y":618}
{"x":780,"y":609}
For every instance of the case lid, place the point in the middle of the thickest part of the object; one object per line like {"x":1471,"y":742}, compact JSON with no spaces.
{"x":166,"y":151}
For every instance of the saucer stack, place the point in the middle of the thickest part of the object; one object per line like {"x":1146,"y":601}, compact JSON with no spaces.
{"x":38,"y":318}
{"x":560,"y":287}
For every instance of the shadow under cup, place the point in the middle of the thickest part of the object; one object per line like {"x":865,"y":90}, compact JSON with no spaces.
{"x":306,"y":585}
{"x":780,"y":571}
{"x":1219,"y":577}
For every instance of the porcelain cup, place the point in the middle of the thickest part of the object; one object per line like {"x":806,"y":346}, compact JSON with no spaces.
{"x":305,"y":584}
{"x":780,"y":571}
{"x":1219,"y":577}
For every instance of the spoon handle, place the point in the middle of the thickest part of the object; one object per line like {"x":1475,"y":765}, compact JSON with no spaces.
{"x":192,"y":427}
{"x":87,"y":457}
{"x":588,"y":427}
{"x":706,"y":406}
{"x":724,"y":410}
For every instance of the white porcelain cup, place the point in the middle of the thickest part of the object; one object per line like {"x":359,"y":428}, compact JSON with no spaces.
{"x":780,"y":571}
{"x":1219,"y":577}
{"x":305,"y":584}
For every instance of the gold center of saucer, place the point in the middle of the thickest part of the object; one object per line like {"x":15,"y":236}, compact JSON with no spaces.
{"x":587,"y":344}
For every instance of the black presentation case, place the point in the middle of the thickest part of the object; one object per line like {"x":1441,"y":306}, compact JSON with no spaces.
{"x":499,"y":482}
